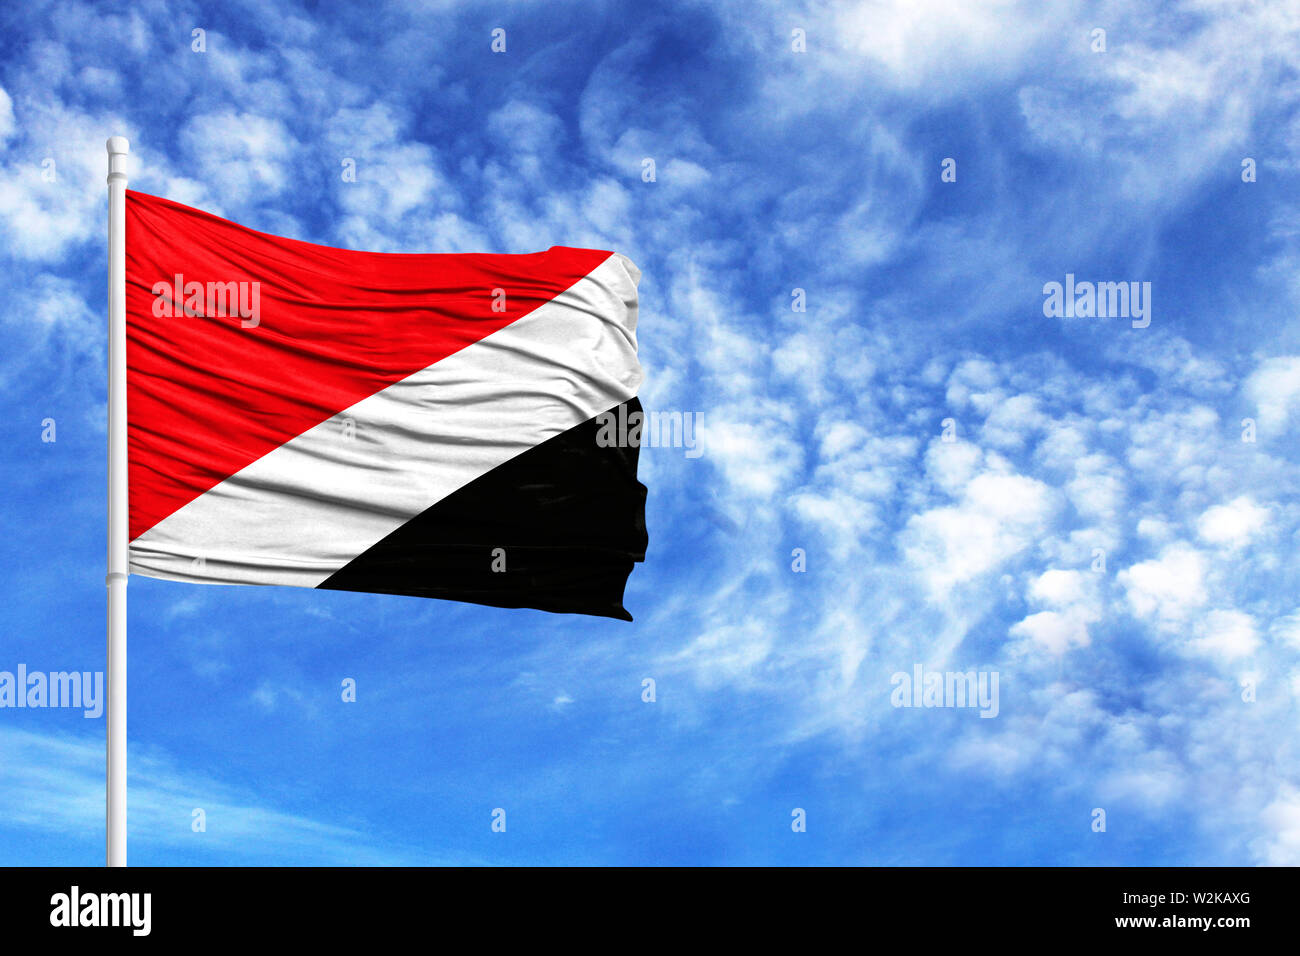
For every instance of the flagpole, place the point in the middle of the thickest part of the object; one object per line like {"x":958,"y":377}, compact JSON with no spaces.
{"x":115,"y":784}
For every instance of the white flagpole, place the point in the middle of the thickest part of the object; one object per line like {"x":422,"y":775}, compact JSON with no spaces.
{"x":115,"y":785}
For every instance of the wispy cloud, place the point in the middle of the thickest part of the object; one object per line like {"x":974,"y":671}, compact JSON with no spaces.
{"x":55,"y":783}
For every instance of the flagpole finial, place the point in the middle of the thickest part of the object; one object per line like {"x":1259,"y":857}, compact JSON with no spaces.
{"x":118,"y":147}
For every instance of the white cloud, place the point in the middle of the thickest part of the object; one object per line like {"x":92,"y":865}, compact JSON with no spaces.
{"x":1226,"y":635}
{"x":52,"y":187}
{"x":1179,"y":110}
{"x":242,"y":156}
{"x":1072,"y":602}
{"x":526,"y":129}
{"x":759,"y":459}
{"x":727,"y":653}
{"x":6,"y":116}
{"x":1059,"y":587}
{"x":1167,"y":589}
{"x":1233,"y":524}
{"x":951,"y":465}
{"x":1287,"y":630}
{"x":1054,"y":631}
{"x":1013,"y":421}
{"x":1281,"y":819}
{"x":55,"y":783}
{"x":1274,"y":387}
{"x":1155,"y":529}
{"x":912,"y":41}
{"x":999,"y":516}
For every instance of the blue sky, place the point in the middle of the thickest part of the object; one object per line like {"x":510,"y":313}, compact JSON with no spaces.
{"x":1120,"y":689}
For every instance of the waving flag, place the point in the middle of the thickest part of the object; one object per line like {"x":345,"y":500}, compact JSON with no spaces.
{"x":419,"y":424}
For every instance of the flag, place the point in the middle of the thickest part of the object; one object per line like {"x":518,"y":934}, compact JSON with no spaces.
{"x":418,"y":424}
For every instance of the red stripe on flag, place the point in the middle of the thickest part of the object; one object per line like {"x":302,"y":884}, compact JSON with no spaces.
{"x":208,"y":396}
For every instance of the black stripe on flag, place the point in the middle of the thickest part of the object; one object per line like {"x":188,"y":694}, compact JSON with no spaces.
{"x":568,"y":514}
